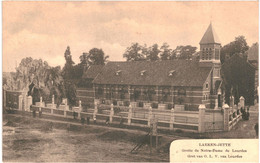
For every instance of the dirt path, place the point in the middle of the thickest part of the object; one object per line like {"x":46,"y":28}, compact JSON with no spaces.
{"x":27,"y":139}
{"x":243,"y":130}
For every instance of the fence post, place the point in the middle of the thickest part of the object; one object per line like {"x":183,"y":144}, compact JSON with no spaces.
{"x":24,"y":100}
{"x":95,"y":110}
{"x":242,"y":102}
{"x":129,"y":115}
{"x":20,"y":105}
{"x":52,"y":102}
{"x":216,"y":104}
{"x":111,"y":113}
{"x":65,"y":109}
{"x":232,"y":101}
{"x":172,"y":118}
{"x":226,"y":117}
{"x":29,"y":103}
{"x":201,"y":126}
{"x":235,"y":108}
{"x":80,"y":109}
{"x":149,"y":116}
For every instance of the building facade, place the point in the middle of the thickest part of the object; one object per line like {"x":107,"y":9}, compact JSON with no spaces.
{"x":163,"y":84}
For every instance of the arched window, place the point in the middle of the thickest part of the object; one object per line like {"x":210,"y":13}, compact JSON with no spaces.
{"x":217,"y":54}
{"x":203,"y":54}
{"x":207,"y":54}
{"x":210,"y":53}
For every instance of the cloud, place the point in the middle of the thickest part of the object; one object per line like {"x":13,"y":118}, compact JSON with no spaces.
{"x":44,"y":29}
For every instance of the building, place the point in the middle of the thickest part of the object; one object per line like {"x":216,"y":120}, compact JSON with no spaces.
{"x":163,"y":84}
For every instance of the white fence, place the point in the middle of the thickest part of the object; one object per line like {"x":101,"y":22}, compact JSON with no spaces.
{"x":204,"y":120}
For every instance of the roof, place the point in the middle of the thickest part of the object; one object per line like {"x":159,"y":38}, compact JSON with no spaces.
{"x":93,"y":71}
{"x":252,"y":52}
{"x":210,"y":36}
{"x":185,"y":73}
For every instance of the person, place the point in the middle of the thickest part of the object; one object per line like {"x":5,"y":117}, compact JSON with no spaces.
{"x":95,"y":120}
{"x":256,"y":129}
{"x":74,"y":114}
{"x":247,"y":113}
{"x":107,"y":121}
{"x":121,"y":121}
{"x":68,"y":127}
{"x":88,"y":120}
{"x":40,"y":113}
{"x":82,"y":121}
{"x":34,"y":113}
{"x":51,"y":126}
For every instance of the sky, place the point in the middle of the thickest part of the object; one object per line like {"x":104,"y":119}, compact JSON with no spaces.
{"x":44,"y":29}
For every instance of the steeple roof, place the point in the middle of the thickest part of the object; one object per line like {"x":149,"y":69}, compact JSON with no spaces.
{"x":210,"y":36}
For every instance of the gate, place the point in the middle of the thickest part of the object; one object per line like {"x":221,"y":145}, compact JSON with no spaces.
{"x":214,"y":120}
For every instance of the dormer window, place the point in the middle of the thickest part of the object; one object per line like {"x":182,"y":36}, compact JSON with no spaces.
{"x":142,"y":72}
{"x":118,"y":72}
{"x":171,"y":72}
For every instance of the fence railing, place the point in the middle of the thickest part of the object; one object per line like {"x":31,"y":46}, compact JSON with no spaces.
{"x":204,"y":120}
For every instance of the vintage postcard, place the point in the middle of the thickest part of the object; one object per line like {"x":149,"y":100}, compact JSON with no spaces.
{"x":130,"y":81}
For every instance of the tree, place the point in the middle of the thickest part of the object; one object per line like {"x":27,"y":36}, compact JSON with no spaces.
{"x":238,"y":77}
{"x":96,"y":57}
{"x":67,"y":71}
{"x":153,"y":53}
{"x":187,"y":51}
{"x":135,"y":53}
{"x":46,"y":79}
{"x":28,"y":69}
{"x":84,"y":59}
{"x":165,"y":52}
{"x":239,"y":46}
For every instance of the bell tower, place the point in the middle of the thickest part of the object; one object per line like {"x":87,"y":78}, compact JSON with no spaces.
{"x":210,"y":47}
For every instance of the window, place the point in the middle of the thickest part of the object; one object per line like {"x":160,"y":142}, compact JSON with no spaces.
{"x":118,"y":72}
{"x":207,"y":54}
{"x":143,"y":72}
{"x":182,"y":92}
{"x":207,"y":85}
{"x":217,"y":54}
{"x":210,"y":53}
{"x":205,"y":97}
{"x":171,"y":72}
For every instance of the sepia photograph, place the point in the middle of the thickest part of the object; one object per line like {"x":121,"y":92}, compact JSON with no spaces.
{"x":119,"y":81}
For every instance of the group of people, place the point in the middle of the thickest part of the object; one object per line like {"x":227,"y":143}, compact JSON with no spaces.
{"x":245,"y":113}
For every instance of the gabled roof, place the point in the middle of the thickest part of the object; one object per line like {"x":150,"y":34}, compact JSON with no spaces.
{"x":210,"y":36}
{"x":187,"y":73}
{"x":93,"y":71}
